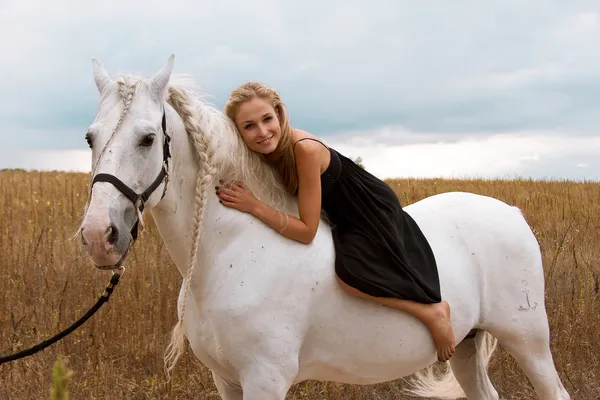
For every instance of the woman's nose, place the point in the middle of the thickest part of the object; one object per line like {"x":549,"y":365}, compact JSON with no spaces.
{"x":263,"y":129}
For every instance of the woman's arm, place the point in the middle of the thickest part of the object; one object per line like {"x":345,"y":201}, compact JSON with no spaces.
{"x":303,"y":229}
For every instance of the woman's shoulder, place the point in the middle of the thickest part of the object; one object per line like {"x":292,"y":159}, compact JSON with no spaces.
{"x":306,"y":141}
{"x":298,"y":134}
{"x":310,"y":149}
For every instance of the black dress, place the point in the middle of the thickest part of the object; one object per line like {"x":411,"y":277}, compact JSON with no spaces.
{"x":380,"y":249}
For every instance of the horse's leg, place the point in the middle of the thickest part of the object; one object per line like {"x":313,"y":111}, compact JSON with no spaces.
{"x":526,"y":336}
{"x":227,"y":390}
{"x":266,"y":381}
{"x":531,"y":350}
{"x":515,"y":311}
{"x":469,"y":368}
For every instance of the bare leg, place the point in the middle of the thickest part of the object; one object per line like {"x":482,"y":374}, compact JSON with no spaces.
{"x":435,"y":316}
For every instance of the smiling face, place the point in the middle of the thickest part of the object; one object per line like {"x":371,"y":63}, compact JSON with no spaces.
{"x":261,"y":119}
{"x":259,"y":125}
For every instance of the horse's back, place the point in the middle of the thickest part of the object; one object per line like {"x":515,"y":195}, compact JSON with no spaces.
{"x":474,"y":225}
{"x":484,"y":248}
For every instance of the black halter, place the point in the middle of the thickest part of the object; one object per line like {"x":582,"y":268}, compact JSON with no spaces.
{"x":139,"y":200}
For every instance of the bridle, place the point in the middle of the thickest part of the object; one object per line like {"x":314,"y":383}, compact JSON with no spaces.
{"x":140,"y":199}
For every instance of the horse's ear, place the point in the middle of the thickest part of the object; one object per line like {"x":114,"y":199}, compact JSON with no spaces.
{"x":100,"y":75}
{"x":161,"y":79}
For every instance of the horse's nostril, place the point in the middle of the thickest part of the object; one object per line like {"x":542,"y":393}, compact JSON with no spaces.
{"x":113,"y":234}
{"x":83,"y":241}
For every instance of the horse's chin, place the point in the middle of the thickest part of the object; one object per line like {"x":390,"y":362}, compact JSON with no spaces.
{"x":119,"y":261}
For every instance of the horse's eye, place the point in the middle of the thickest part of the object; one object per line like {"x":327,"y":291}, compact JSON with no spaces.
{"x":88,"y":139}
{"x":147,"y":140}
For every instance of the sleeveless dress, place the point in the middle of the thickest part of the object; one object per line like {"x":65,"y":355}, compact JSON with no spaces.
{"x":379,"y":248}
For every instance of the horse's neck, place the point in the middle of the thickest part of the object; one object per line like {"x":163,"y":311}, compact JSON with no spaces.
{"x":174,"y":215}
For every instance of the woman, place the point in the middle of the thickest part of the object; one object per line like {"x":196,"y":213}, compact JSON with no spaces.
{"x":381,"y":254}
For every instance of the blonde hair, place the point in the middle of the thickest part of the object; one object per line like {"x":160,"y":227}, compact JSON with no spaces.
{"x":282,"y":158}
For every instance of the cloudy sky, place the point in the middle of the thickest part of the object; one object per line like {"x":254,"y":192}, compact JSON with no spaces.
{"x":420,"y":88}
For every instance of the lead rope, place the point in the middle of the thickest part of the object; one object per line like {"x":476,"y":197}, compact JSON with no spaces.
{"x":104,"y":297}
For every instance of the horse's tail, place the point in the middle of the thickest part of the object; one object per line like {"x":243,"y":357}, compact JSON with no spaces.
{"x":445,"y":386}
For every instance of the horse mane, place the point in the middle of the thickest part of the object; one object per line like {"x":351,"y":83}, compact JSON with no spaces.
{"x":232,"y":160}
{"x":219,"y":152}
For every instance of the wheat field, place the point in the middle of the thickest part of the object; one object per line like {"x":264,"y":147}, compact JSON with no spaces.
{"x":46,"y":283}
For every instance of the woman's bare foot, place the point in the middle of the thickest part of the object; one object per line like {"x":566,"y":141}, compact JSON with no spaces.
{"x":438,"y":322}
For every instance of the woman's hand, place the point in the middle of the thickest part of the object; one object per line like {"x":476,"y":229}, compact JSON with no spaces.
{"x":309,"y":158}
{"x":237,"y":195}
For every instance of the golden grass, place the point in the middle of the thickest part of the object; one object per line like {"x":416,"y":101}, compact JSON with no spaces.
{"x":46,"y":284}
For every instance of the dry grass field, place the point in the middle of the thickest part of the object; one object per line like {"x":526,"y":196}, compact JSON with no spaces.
{"x":46,"y":283}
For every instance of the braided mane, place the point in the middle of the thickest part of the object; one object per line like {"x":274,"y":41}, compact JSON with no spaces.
{"x":232,"y":159}
{"x":219,"y":152}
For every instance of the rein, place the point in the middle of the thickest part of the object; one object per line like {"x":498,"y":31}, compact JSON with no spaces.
{"x":138,"y":201}
{"x":114,"y":280}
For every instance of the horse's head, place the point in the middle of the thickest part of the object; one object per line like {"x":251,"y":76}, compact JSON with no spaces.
{"x":130,"y":160}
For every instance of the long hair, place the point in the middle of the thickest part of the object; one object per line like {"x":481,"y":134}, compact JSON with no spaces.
{"x":282,"y":158}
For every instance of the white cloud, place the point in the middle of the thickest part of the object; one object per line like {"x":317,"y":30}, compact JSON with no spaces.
{"x":508,"y":155}
{"x":461,"y":70}
{"x":520,"y":154}
{"x":46,"y":160}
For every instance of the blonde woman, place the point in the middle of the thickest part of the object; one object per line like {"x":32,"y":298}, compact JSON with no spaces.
{"x":381,"y":254}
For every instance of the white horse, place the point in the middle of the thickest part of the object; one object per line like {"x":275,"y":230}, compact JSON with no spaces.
{"x":264,"y":312}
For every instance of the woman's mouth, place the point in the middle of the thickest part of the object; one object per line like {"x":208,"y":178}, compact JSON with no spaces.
{"x":266,"y":141}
